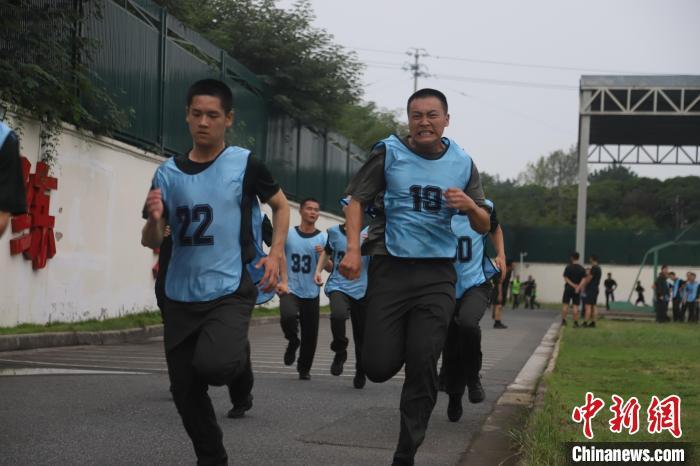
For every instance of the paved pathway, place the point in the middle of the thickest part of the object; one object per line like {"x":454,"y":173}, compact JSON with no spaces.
{"x":110,"y":405}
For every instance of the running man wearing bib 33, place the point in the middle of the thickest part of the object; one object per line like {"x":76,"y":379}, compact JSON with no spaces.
{"x":424,"y":181}
{"x":207,"y":198}
{"x":299,"y":300}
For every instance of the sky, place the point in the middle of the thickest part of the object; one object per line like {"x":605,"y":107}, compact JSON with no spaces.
{"x":505,"y":125}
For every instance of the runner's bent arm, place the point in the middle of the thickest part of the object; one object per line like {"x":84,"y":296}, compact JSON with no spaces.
{"x":352,"y":262}
{"x":471,"y":201}
{"x":280,"y":227}
{"x":153,"y":231}
{"x":321,"y":265}
{"x":496,"y":237}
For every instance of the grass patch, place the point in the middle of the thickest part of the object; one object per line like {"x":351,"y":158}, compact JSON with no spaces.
{"x":624,"y":358}
{"x":138,"y":320}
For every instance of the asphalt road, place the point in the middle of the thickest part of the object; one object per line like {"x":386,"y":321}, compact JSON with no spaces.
{"x":110,"y":405}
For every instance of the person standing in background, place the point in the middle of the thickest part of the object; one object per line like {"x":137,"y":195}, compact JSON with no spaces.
{"x":640,"y":294}
{"x":500,"y":296}
{"x":610,"y":287}
{"x":690,"y":297}
{"x":592,"y":285}
{"x":573,"y":274}
{"x":661,"y":295}
{"x":515,"y":291}
{"x":676,"y":285}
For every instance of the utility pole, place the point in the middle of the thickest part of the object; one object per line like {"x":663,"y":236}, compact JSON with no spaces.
{"x":418,"y":70}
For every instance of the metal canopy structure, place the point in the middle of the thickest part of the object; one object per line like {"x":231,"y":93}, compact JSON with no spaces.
{"x":635,"y":120}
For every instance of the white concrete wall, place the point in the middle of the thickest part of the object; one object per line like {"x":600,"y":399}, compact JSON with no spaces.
{"x":550,"y":281}
{"x":100,"y":268}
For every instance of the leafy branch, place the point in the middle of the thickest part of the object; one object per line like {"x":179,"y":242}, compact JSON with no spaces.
{"x":45,"y":69}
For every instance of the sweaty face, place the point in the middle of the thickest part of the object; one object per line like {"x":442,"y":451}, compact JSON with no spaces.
{"x":207,"y":120}
{"x":310,"y":212}
{"x":427,"y":121}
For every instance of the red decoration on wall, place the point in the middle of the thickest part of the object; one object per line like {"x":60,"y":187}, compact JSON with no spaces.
{"x":39,"y":244}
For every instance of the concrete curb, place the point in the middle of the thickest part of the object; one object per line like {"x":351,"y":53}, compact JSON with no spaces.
{"x":109,"y":337}
{"x":494,"y":444}
{"x":51,"y":339}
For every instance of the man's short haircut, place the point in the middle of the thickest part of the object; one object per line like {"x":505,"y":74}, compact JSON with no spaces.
{"x":427,"y":92}
{"x":593,"y":257}
{"x":665,"y":266}
{"x":575,"y":255}
{"x":309,"y":199}
{"x":214,"y":88}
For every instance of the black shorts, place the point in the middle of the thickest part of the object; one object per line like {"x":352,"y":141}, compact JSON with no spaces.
{"x":570,"y":296}
{"x":591,"y":297}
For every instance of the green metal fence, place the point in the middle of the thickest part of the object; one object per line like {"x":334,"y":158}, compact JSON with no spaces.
{"x":311,"y":163}
{"x":555,"y":244}
{"x":148,"y":60}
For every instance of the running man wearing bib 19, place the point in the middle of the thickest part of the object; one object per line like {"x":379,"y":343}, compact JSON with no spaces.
{"x":417,"y":185}
{"x":207,"y":197}
{"x":346,"y":299}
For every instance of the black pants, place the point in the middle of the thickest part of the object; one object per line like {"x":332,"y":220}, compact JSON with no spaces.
{"x":409,"y":304}
{"x":306,"y":312}
{"x":342,"y":307}
{"x":240,"y":387}
{"x":609,"y":296}
{"x":678,"y":313}
{"x":692,"y":308}
{"x":661,"y":306}
{"x":516,"y":300}
{"x":461,"y":358}
{"x":207,"y":344}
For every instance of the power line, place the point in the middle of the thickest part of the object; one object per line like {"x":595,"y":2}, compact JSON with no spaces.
{"x":502,"y":82}
{"x":531,"y":65}
{"x":390,"y":52}
{"x":499,"y":82}
{"x":512,"y":111}
{"x":507,"y":63}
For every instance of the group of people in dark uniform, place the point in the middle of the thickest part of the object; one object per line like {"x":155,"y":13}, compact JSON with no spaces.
{"x":581,"y":286}
{"x":683,"y":295}
{"x":415,"y":282}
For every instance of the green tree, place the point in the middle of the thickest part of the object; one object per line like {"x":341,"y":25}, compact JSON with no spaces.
{"x":310,"y":76}
{"x":44,"y":69}
{"x":559,"y":168}
{"x":365,"y":124}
